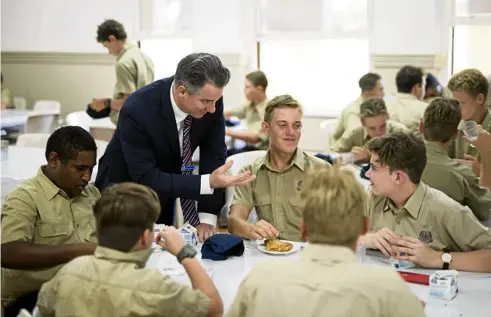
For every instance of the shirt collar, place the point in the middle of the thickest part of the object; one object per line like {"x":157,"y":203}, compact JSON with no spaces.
{"x":327,"y":254}
{"x":49,"y":188}
{"x":298,"y":160}
{"x":486,"y":123}
{"x":139,"y":257}
{"x":401,"y":95}
{"x":178,"y":113}
{"x":126,"y":47}
{"x":435,"y":147}
{"x":414,"y":203}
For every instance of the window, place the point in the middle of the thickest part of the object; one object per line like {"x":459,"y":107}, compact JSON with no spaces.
{"x":321,"y":74}
{"x":166,"y":54}
{"x":471,"y":49}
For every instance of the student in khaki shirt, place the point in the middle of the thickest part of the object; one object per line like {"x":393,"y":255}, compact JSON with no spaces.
{"x":7,"y":100}
{"x":457,"y":180}
{"x":133,"y":68}
{"x":483,"y":144}
{"x":114,"y":282}
{"x":374,"y":123}
{"x":406,"y":215}
{"x":47,"y":220}
{"x":407,"y":107}
{"x":280,"y":175}
{"x":470,"y":87}
{"x":253,"y":112}
{"x":327,"y":280}
{"x":371,"y":87}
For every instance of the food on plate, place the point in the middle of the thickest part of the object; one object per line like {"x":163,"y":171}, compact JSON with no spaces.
{"x":277,"y":245}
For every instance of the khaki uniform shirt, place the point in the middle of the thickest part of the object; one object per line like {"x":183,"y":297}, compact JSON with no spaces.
{"x":456,"y":180}
{"x":325,"y":281}
{"x":253,"y":113}
{"x":114,"y":283}
{"x":407,"y":109}
{"x":276,"y":194}
{"x":359,"y":136}
{"x":7,"y":98}
{"x":433,"y":217}
{"x":38,"y":212}
{"x":349,"y":120}
{"x":133,"y":71}
{"x":461,"y":146}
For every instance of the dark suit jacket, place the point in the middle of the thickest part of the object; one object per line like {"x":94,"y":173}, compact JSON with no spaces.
{"x":145,"y":149}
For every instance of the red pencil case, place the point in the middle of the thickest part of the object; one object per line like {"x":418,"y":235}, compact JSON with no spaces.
{"x":415,"y":278}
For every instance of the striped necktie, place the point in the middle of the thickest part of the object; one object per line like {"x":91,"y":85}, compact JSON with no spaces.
{"x":188,"y":205}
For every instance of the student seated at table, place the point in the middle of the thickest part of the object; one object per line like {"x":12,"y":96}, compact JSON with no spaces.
{"x":280,"y":174}
{"x":439,"y":127}
{"x":407,"y":107}
{"x":374,"y":123}
{"x":371,"y":87}
{"x":47,"y":220}
{"x":7,"y":100}
{"x":406,"y":215}
{"x":114,"y":282}
{"x":253,"y":112}
{"x":470,"y":87}
{"x":327,"y":279}
{"x":483,"y":144}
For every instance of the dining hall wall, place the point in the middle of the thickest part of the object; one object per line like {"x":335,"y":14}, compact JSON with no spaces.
{"x":49,"y":49}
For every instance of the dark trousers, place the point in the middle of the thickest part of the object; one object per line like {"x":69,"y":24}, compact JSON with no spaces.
{"x":247,"y":148}
{"x":27,"y":301}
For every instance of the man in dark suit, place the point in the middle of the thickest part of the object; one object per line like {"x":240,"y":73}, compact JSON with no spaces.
{"x":160,"y":126}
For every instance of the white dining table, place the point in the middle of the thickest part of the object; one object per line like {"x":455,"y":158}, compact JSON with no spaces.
{"x":472,"y":300}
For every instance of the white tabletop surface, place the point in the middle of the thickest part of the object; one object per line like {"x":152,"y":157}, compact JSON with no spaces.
{"x":473,"y":299}
{"x":13,"y":118}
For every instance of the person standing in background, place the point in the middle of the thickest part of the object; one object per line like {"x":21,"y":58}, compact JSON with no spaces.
{"x":371,"y":87}
{"x":7,"y":100}
{"x":133,"y":70}
{"x":253,"y":112}
{"x":407,"y":107}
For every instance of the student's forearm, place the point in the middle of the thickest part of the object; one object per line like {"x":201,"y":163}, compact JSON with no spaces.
{"x":21,"y":255}
{"x":472,"y":261}
{"x":200,"y":280}
{"x":116,"y":104}
{"x":249,"y":137}
{"x":485,"y":178}
{"x":239,"y":226}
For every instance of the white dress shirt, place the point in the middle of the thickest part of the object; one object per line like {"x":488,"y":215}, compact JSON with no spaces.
{"x":205,"y":188}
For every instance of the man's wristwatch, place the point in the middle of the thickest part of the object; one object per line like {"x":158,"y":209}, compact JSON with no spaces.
{"x":188,"y":251}
{"x":446,"y":258}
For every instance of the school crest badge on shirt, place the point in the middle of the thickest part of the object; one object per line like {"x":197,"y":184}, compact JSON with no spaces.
{"x":425,"y":236}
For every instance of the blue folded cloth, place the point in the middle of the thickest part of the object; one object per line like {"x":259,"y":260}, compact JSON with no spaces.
{"x":364,"y":169}
{"x":326,"y":157}
{"x":220,"y":246}
{"x":98,"y":114}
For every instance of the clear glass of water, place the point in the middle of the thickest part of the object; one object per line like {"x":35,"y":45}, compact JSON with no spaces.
{"x":469,"y":128}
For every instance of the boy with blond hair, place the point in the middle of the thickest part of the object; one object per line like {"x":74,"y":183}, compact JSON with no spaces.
{"x":327,"y":278}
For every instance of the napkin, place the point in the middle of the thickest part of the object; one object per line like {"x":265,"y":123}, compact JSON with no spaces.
{"x":220,"y":246}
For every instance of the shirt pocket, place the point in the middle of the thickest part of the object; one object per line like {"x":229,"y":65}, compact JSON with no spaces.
{"x":52,"y":233}
{"x":295,"y":212}
{"x":264,"y":209}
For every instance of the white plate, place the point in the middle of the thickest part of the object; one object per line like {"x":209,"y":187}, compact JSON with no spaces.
{"x":296,"y":247}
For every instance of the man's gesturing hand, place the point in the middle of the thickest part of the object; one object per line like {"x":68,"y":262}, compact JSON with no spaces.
{"x":221,"y":178}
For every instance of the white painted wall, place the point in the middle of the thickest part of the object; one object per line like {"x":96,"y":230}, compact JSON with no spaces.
{"x":61,"y":25}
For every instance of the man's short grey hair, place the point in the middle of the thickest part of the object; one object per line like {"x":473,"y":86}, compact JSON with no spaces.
{"x":198,"y":69}
{"x":372,"y":107}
